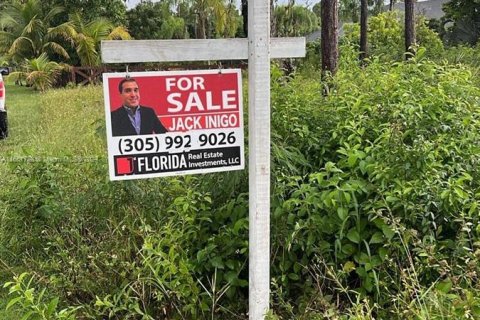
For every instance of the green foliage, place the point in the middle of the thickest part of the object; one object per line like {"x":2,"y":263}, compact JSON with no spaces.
{"x":374,"y":211}
{"x":36,"y":40}
{"x":112,"y":10}
{"x":466,"y":55}
{"x":214,"y":18}
{"x":86,"y":35}
{"x":98,"y":246}
{"x":26,"y":31}
{"x":182,"y":20}
{"x":389,"y":182}
{"x":36,"y":306}
{"x":317,"y":9}
{"x":386,"y":36}
{"x":150,"y":20}
{"x":465,"y":15}
{"x":428,"y":39}
{"x":173,"y":28}
{"x":312,"y":60}
{"x":292,"y":20}
{"x":40,"y":73}
{"x":349,"y":11}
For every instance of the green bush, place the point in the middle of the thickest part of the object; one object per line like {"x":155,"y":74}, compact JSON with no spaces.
{"x":385,"y":37}
{"x":390,"y":185}
{"x":466,"y":55}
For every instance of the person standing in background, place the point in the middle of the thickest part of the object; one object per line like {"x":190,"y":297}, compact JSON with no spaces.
{"x":3,"y":111}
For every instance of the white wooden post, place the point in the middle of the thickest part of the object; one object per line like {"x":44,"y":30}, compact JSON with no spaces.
{"x":257,"y":50}
{"x":259,"y":157}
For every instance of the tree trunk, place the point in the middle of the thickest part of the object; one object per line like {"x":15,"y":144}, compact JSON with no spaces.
{"x":329,"y":34}
{"x":390,"y":6}
{"x":201,"y":26}
{"x":363,"y":29}
{"x":273,"y":25}
{"x":410,"y":27}
{"x":245,"y":17}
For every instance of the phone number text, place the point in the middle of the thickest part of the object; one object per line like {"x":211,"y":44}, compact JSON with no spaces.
{"x":161,"y":143}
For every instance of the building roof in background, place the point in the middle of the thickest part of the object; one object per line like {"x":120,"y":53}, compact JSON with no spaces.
{"x":431,"y":9}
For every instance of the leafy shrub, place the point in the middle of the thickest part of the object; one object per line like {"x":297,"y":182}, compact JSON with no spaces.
{"x":386,"y":36}
{"x":387,"y":182}
{"x":375,"y":199}
{"x":35,"y":306}
{"x":466,"y":55}
{"x":40,"y":72}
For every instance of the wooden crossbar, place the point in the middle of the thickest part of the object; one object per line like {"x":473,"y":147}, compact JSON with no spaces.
{"x":131,"y":51}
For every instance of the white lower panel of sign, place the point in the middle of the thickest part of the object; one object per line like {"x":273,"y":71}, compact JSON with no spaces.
{"x":147,"y":156}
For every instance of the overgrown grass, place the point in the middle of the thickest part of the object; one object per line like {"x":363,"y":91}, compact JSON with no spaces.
{"x":24,"y":122}
{"x":24,"y":113}
{"x":46,"y":131}
{"x":375,"y":199}
{"x":87,"y":237}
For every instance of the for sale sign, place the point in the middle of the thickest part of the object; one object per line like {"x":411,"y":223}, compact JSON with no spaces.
{"x":173,"y":123}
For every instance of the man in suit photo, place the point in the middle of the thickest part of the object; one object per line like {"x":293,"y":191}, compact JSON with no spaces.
{"x":131,"y":118}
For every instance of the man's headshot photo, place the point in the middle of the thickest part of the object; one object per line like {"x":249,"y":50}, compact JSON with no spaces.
{"x":131,"y":118}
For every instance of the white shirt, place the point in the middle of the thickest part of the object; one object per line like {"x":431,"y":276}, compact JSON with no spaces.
{"x":2,"y":94}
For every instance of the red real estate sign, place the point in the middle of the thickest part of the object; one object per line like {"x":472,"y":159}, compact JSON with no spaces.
{"x":202,"y":112}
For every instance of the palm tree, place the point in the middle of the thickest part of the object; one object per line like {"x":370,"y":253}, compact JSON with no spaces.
{"x":25,"y":32}
{"x":40,"y":73}
{"x":86,"y":37}
{"x":209,"y":8}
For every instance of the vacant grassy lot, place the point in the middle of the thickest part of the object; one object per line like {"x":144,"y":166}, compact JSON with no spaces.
{"x":55,"y":127}
{"x":375,"y":202}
